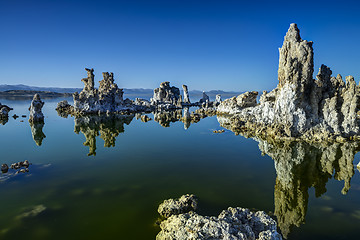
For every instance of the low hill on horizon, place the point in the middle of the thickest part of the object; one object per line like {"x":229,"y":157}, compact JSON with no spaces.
{"x":127,"y":91}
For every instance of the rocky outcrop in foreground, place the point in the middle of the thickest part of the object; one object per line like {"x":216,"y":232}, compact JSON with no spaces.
{"x":300,"y":107}
{"x":233,"y":223}
{"x":36,"y":115}
{"x":184,"y":204}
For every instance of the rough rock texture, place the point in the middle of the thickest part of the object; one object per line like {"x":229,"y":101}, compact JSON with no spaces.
{"x":142,"y":104}
{"x":64,"y":108}
{"x":36,"y":115}
{"x":237,"y":104}
{"x":166,"y":97}
{"x":205,"y":98}
{"x":4,"y":113}
{"x":186,"y":95}
{"x":108,"y":98}
{"x":217,"y":100}
{"x":105,"y":100}
{"x":301,"y":107}
{"x":184,"y":204}
{"x":233,"y":223}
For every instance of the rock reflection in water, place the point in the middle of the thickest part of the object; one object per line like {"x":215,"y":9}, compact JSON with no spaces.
{"x":164,"y":118}
{"x":300,"y":166}
{"x":3,"y":120}
{"x":108,"y":127}
{"x":37,"y":132}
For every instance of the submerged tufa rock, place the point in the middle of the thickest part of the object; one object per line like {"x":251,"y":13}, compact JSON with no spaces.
{"x":184,"y":204}
{"x":36,"y":115}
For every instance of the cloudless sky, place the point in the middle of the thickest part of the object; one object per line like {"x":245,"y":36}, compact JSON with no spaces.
{"x":228,"y":45}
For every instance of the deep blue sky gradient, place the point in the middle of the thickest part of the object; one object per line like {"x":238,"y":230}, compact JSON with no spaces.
{"x":229,"y":45}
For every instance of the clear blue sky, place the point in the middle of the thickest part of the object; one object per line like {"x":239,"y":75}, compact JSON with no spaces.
{"x":229,"y":45}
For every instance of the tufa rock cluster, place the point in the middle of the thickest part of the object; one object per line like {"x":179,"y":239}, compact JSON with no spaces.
{"x":300,"y":107}
{"x":233,"y":223}
{"x":36,"y":115}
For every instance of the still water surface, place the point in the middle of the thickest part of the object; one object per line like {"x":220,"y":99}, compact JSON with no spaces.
{"x":105,"y":180}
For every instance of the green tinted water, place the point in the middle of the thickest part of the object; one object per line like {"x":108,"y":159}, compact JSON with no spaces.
{"x":114,"y":194}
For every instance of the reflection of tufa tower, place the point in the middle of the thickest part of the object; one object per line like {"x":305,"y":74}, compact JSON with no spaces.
{"x":300,"y":166}
{"x":108,"y":127}
{"x":36,"y":119}
{"x":37,"y":132}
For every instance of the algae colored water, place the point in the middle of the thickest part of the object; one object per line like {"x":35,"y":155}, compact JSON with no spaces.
{"x":105,"y":180}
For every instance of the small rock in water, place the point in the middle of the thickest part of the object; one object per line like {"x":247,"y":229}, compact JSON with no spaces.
{"x":145,"y":118}
{"x":25,"y":163}
{"x":15,"y":116}
{"x":24,"y":116}
{"x":184,"y":204}
{"x":15,"y":166}
{"x":36,"y":114}
{"x":19,"y":165}
{"x":219,"y":131}
{"x":4,"y":168}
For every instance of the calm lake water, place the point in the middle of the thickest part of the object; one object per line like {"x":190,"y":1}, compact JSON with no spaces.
{"x":105,"y":179}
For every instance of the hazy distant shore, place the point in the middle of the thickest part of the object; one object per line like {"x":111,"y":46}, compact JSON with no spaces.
{"x":17,"y":92}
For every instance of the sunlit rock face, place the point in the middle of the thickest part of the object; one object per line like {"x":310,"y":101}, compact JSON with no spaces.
{"x":237,"y":104}
{"x":233,"y":223}
{"x":108,"y":98}
{"x":37,"y":132}
{"x":108,"y":127}
{"x":36,"y":114}
{"x":300,"y":106}
{"x":300,"y":166}
{"x":205,"y":98}
{"x":63,"y":109}
{"x":218,"y":100}
{"x":186,"y":95}
{"x":166,"y":97}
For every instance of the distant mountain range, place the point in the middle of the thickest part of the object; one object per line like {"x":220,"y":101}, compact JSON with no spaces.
{"x":127,"y":91}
